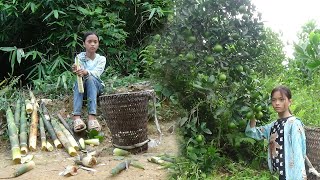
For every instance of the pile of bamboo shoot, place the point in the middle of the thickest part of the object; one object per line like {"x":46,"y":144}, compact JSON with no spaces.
{"x":40,"y":121}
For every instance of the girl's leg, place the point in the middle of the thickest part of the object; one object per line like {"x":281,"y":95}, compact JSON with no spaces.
{"x":78,"y":124}
{"x":77,"y":101}
{"x":93,"y":89}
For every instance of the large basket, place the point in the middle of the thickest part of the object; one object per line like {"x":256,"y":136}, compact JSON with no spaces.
{"x":313,"y":149}
{"x":127,"y":117}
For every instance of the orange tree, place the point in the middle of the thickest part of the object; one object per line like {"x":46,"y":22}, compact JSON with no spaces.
{"x":207,"y":61}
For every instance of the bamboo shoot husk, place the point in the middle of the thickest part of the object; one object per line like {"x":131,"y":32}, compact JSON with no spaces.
{"x":17,"y":113}
{"x":13,"y":136}
{"x":79,"y":78}
{"x":23,"y":130}
{"x":43,"y":135}
{"x":33,"y":128}
{"x":46,"y":121}
{"x":70,"y":138}
{"x":62,"y":137}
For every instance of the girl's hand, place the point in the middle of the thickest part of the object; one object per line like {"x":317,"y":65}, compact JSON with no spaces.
{"x":81,"y":72}
{"x":74,"y":68}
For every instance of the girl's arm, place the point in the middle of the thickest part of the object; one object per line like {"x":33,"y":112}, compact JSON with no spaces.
{"x":98,"y":70}
{"x":298,"y":136}
{"x":257,"y":133}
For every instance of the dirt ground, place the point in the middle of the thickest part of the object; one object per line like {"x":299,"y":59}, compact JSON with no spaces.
{"x":48,"y":165}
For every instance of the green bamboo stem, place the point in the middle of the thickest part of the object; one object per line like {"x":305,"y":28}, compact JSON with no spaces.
{"x":70,"y":138}
{"x":79,"y":78}
{"x":46,"y":121}
{"x":42,"y":135}
{"x":17,"y":113}
{"x":24,"y":168}
{"x":62,"y":137}
{"x":23,"y":130}
{"x":13,"y":136}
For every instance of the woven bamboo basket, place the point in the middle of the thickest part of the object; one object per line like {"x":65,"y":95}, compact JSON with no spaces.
{"x":127,"y":117}
{"x":313,"y":149}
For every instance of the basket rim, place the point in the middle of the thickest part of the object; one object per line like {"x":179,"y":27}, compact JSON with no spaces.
{"x":134,"y":92}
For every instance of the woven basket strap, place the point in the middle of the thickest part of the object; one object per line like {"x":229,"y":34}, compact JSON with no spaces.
{"x":132,"y":146}
{"x":156,"y":119}
{"x":312,"y":170}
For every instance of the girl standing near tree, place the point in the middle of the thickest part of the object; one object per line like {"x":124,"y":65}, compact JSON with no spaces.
{"x":92,"y":65}
{"x":286,"y":137}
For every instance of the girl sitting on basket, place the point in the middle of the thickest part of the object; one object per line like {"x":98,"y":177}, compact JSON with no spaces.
{"x":92,"y":65}
{"x":286,"y":137}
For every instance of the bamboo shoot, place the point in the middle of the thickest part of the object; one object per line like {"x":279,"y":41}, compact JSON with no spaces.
{"x":49,"y":146}
{"x":120,"y":167}
{"x":95,"y":142}
{"x":44,"y":113}
{"x":17,"y":113}
{"x":13,"y":136}
{"x":24,"y":168}
{"x":29,"y":106}
{"x":33,"y":129}
{"x":79,"y":78}
{"x":70,"y":138}
{"x":23,"y":130}
{"x":62,"y":137}
{"x":43,"y":135}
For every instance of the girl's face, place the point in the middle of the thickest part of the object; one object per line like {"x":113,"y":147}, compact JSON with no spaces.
{"x":91,"y":43}
{"x":280,"y":102}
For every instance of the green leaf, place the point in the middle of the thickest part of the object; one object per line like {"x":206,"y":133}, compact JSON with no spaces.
{"x":12,"y":59}
{"x":298,"y":49}
{"x":207,"y":131}
{"x":183,"y":121}
{"x":56,"y":14}
{"x":84,"y":11}
{"x":48,"y":16}
{"x":314,"y":64}
{"x":58,"y":82}
{"x":92,"y":133}
{"x":20,"y":54}
{"x":152,"y":13}
{"x":98,"y":10}
{"x":33,"y":7}
{"x":64,"y":81}
{"x":8,"y":49}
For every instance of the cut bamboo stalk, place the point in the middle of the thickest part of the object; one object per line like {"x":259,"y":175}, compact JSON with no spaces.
{"x":17,"y":113}
{"x":43,"y":135}
{"x":33,"y":129}
{"x":23,"y":130}
{"x":79,"y":78}
{"x":44,"y":113}
{"x":49,"y":146}
{"x":70,"y":138}
{"x":24,"y":168}
{"x":62,"y":137}
{"x":65,"y":123}
{"x":29,"y":106}
{"x":13,"y":136}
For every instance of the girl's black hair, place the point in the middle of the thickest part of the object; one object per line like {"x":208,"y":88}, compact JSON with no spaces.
{"x":284,"y":91}
{"x":86,"y":34}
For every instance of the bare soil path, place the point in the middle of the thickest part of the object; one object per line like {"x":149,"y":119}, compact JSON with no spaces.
{"x":50,"y":164}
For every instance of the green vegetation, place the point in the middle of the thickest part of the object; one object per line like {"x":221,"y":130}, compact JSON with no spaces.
{"x":212,"y":65}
